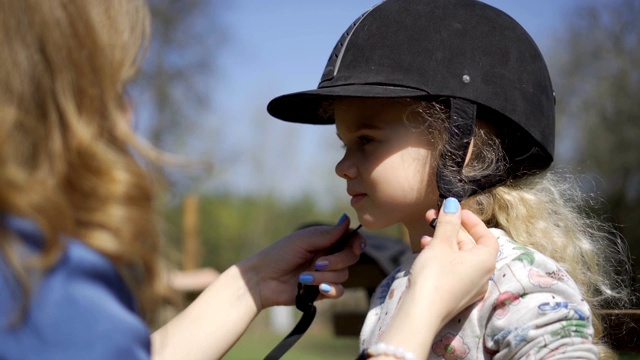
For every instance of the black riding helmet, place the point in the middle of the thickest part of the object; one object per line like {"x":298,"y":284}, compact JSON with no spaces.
{"x":468,"y":52}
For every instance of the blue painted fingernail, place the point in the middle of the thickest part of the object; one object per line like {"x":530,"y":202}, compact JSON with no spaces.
{"x":322,"y":264}
{"x":325,"y":288}
{"x":451,"y":206}
{"x":305,"y":278}
{"x":343,"y":218}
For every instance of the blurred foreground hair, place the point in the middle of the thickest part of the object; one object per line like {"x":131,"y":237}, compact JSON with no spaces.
{"x":66,"y":138}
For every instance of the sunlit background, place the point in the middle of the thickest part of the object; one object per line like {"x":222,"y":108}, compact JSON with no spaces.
{"x":214,"y":65}
{"x":240,"y":54}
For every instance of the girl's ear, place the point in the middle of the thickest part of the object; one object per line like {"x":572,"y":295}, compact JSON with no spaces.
{"x":466,"y":160}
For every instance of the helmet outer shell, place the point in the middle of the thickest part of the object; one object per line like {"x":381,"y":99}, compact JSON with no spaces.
{"x":444,"y":49}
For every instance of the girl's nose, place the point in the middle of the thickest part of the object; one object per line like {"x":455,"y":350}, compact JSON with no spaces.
{"x":346,"y":169}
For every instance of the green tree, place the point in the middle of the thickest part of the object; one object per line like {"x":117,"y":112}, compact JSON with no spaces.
{"x":172,"y":92}
{"x":234,"y":227}
{"x":598,"y":87}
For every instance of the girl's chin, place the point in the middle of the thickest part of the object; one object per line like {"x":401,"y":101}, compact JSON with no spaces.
{"x":372,"y":223}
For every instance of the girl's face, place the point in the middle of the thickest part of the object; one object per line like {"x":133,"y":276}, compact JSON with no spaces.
{"x":389,"y":167}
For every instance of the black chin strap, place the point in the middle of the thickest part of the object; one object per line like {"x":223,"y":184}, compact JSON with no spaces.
{"x":304,"y":302}
{"x":305,"y":297}
{"x":450,"y":179}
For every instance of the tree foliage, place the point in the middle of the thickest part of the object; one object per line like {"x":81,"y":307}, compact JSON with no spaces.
{"x":180,"y":66}
{"x":598,"y":86}
{"x":172,"y":93}
{"x":234,"y":227}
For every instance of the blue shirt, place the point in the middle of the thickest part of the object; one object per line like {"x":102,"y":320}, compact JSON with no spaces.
{"x":81,"y":309}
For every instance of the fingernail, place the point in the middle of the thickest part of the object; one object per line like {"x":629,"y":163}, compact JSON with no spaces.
{"x":305,"y":278}
{"x":322,"y":264}
{"x":451,"y":205}
{"x":363,"y":245}
{"x":343,"y":218}
{"x":325,"y":288}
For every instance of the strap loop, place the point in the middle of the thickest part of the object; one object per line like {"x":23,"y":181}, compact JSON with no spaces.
{"x":295,"y":334}
{"x":305,"y":297}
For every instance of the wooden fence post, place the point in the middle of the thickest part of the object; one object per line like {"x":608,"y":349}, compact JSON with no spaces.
{"x":190,"y":232}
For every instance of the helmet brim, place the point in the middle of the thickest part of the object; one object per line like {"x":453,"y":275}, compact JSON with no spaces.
{"x":307,"y":106}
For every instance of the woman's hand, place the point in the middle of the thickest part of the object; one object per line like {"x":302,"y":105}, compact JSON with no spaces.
{"x":273,"y":273}
{"x":221,"y":314}
{"x":458,"y":261}
{"x":449,"y":274}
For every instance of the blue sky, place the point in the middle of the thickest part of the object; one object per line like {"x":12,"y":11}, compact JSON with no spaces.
{"x":281,"y":46}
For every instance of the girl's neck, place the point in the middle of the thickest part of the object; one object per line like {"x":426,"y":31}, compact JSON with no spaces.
{"x":417,"y":230}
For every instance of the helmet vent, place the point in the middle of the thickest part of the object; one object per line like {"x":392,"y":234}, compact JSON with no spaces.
{"x":336,"y":55}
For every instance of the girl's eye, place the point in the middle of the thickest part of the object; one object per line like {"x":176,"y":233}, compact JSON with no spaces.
{"x":364,"y":140}
{"x":361,"y":140}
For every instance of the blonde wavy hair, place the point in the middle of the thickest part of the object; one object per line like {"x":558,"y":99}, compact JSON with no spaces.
{"x":66,"y":138}
{"x":547,"y":212}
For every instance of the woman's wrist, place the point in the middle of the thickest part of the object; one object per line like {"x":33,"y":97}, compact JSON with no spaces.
{"x":420,"y":298}
{"x":250,"y":275}
{"x":189,"y":334}
{"x":418,"y":318}
{"x":383,"y":350}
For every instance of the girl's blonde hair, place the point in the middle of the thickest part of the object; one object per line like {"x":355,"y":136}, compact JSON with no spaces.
{"x":66,"y":137}
{"x":547,"y":212}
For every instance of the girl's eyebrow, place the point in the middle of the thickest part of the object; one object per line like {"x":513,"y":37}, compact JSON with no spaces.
{"x":365,"y":126}
{"x":368,"y":126}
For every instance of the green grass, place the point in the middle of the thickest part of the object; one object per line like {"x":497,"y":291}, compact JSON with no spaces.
{"x":310,"y":347}
{"x":629,"y":356}
{"x":318,"y":343}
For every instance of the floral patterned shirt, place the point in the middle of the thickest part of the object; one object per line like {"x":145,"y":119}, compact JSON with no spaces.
{"x":532,"y":310}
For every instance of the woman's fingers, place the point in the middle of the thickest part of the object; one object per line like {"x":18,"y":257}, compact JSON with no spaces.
{"x":344,"y":258}
{"x":449,"y":219}
{"x":332,"y":270}
{"x":331,"y":291}
{"x":329,"y":283}
{"x":478,"y":230}
{"x":471,"y":230}
{"x":319,"y":277}
{"x":431,"y":214}
{"x":320,"y":238}
{"x":465,"y":240}
{"x":449,"y":227}
{"x":425,"y":241}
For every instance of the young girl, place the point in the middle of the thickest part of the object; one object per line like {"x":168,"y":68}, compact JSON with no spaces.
{"x":79,"y":245}
{"x":452,"y":98}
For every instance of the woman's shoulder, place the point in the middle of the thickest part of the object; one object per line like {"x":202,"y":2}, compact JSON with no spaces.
{"x":80,"y":304}
{"x":78,"y":264}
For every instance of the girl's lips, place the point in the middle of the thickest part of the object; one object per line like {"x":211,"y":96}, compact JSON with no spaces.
{"x":356,"y":199}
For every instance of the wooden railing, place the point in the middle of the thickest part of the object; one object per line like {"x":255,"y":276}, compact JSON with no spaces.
{"x":622,"y":329}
